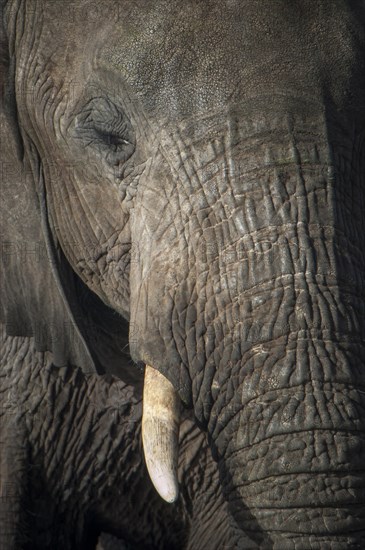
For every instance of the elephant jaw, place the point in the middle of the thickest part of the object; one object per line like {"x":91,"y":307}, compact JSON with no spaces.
{"x":160,"y":432}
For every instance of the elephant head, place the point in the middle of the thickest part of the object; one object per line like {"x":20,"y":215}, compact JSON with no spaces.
{"x":193,"y":173}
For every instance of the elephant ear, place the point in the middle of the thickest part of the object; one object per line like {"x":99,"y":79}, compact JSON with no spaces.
{"x":41,"y":296}
{"x":32,"y":299}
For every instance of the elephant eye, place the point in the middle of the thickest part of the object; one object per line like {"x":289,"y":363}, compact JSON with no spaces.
{"x":105,"y":128}
{"x":115,"y":143}
{"x":113,"y":140}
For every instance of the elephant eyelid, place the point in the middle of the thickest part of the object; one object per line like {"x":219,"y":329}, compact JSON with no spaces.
{"x":119,"y":130}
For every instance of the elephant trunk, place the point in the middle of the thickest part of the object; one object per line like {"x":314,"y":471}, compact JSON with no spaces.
{"x":287,"y":415}
{"x":261,"y":316}
{"x":288,"y":422}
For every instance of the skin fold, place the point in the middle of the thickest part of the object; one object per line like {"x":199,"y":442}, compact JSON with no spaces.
{"x":184,"y":188}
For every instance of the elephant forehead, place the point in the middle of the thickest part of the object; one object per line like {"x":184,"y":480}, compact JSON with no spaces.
{"x":176,"y":54}
{"x":187,"y":56}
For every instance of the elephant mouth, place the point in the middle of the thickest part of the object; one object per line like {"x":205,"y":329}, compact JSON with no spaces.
{"x":160,"y":432}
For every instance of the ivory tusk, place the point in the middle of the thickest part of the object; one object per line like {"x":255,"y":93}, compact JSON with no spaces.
{"x":160,"y":432}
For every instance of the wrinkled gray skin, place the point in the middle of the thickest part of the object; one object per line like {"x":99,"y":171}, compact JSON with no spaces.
{"x":194,"y":172}
{"x":72,"y":464}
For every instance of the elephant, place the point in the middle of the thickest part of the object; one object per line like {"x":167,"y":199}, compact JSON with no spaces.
{"x":183,"y":219}
{"x":72,"y":464}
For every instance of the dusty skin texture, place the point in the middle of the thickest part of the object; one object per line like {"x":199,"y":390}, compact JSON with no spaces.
{"x":183,"y":186}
